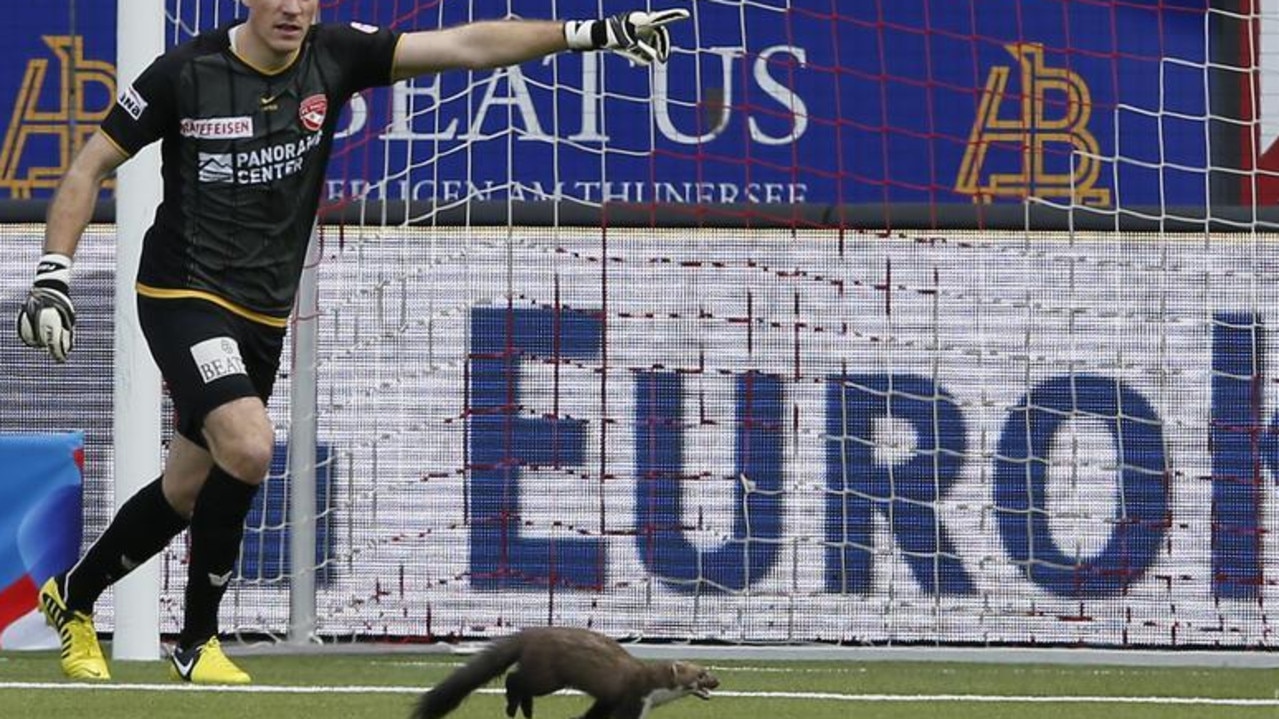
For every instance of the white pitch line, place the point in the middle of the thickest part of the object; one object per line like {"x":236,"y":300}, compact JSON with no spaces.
{"x":809,"y":696}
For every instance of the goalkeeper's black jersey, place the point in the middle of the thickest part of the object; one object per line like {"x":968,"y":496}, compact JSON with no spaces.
{"x":244,"y":156}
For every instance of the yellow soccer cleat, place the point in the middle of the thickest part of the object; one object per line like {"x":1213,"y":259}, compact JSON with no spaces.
{"x":81,"y":656}
{"x":205,"y":664}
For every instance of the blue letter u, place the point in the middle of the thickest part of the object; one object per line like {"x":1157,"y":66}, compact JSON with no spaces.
{"x":752,"y":550}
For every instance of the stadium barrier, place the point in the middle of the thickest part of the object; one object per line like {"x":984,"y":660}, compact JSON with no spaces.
{"x":40,"y":527}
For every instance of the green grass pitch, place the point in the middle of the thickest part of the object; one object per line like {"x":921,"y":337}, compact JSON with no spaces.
{"x":359,"y":686}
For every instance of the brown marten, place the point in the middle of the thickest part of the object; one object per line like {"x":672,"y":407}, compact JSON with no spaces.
{"x":554,"y":658}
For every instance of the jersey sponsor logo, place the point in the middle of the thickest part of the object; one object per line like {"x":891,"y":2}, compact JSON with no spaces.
{"x":312,"y":112}
{"x":363,"y":27}
{"x":217,"y":358}
{"x":132,"y":102}
{"x":217,"y":128}
{"x":260,"y":166}
{"x":215,"y":167}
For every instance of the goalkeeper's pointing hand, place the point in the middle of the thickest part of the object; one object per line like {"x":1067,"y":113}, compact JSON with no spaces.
{"x":639,"y":35}
{"x":47,"y":318}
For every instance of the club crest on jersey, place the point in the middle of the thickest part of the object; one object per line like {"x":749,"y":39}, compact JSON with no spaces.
{"x":312,"y":111}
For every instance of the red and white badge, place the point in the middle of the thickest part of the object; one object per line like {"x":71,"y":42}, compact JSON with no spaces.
{"x":312,"y":111}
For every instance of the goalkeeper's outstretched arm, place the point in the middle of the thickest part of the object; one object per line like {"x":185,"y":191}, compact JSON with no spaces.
{"x":639,"y":35}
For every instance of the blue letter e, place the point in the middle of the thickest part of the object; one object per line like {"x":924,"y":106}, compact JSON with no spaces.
{"x":506,"y":438}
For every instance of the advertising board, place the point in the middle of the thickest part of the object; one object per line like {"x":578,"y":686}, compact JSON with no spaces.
{"x":1088,"y":104}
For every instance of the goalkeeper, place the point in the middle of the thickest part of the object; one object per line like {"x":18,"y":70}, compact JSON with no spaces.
{"x":246,"y":115}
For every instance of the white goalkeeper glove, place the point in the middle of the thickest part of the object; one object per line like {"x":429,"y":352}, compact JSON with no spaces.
{"x":47,"y":319}
{"x":639,"y":35}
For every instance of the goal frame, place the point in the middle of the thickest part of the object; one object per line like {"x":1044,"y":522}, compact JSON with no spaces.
{"x":137,"y":412}
{"x":137,"y":395}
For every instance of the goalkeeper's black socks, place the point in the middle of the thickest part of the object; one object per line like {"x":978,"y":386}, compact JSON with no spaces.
{"x":217,"y":526}
{"x":143,"y":526}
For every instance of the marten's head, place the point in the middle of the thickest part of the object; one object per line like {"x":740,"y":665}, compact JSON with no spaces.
{"x":675,"y":680}
{"x":693,"y":679}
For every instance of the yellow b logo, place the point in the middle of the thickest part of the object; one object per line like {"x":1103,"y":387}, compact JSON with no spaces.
{"x":70,"y":123}
{"x":1054,"y":109}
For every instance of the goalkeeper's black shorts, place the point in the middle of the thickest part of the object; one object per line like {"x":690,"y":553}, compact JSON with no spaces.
{"x":208,"y":356}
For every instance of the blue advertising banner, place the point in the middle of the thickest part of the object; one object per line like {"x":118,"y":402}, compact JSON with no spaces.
{"x":40,"y":526}
{"x":1090,"y":103}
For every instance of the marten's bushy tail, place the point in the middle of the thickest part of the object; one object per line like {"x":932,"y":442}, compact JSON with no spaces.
{"x":448,"y":694}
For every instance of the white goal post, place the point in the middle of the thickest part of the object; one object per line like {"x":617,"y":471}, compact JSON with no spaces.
{"x":137,"y":426}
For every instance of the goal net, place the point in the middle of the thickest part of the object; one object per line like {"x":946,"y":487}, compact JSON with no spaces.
{"x":872,"y":323}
